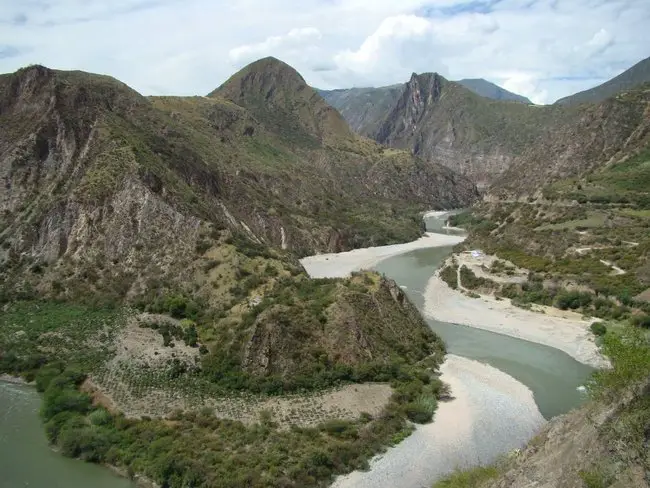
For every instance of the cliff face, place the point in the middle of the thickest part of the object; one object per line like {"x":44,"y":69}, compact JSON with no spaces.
{"x":443,"y":121}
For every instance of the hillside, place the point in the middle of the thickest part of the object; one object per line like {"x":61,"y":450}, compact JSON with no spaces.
{"x":490,"y":90}
{"x":629,"y":79}
{"x":160,"y":237}
{"x":584,"y":246}
{"x":604,"y":134}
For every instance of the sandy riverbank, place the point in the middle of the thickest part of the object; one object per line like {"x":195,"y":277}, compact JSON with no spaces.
{"x":16,"y":380}
{"x":568,"y":334}
{"x":339,"y":265}
{"x":491,"y":413}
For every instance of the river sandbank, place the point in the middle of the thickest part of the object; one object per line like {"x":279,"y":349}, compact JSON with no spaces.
{"x":568,"y":334}
{"x":16,"y":380}
{"x":340,"y":265}
{"x":490,"y":413}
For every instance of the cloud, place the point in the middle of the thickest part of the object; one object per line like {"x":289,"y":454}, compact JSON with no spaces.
{"x":545,"y":49}
{"x":295,"y":41}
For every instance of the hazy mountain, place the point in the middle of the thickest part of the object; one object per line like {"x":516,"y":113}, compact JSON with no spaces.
{"x":488,"y":89}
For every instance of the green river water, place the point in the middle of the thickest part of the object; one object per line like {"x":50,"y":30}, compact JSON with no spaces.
{"x":553,"y":376}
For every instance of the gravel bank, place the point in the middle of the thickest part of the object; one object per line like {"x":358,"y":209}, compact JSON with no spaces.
{"x":491,"y":413}
{"x":340,"y":265}
{"x":571,"y":335}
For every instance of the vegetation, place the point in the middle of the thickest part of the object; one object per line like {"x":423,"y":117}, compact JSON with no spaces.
{"x":598,"y":329}
{"x":449,"y":274}
{"x":470,"y":478}
{"x":165,"y":450}
{"x":198,"y":449}
{"x":469,"y":280}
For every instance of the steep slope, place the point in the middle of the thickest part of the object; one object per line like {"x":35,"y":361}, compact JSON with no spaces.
{"x":631,"y":78}
{"x":443,"y":121}
{"x":490,"y":90}
{"x":110,"y":196}
{"x":363,"y":108}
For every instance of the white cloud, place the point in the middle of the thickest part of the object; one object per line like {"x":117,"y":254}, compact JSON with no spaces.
{"x":295,"y":41}
{"x":543,"y":49}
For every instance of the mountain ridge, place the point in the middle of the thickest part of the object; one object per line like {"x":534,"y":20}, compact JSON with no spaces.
{"x":629,"y":79}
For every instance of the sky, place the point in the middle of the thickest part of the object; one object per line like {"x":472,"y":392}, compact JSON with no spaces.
{"x":543,"y":49}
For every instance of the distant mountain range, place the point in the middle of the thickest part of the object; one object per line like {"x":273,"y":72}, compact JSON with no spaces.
{"x":480,"y":130}
{"x":635,"y":76}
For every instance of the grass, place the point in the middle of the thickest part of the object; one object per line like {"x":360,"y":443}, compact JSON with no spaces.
{"x":595,"y":219}
{"x":470,"y":478}
{"x":34,"y":333}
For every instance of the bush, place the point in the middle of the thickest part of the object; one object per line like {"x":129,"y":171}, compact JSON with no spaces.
{"x":598,"y":329}
{"x":642,"y":321}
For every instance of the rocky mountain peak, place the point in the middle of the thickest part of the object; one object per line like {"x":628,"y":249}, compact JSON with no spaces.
{"x":268,"y":78}
{"x":279,"y":96}
{"x":421,"y":92}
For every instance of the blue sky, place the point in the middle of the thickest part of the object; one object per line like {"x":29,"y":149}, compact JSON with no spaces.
{"x":541,"y":49}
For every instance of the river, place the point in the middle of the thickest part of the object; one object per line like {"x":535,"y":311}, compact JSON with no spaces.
{"x":26,"y":460}
{"x":552,"y":375}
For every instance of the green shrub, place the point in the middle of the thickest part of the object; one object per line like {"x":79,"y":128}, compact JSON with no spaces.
{"x":449,"y":274}
{"x":598,"y":329}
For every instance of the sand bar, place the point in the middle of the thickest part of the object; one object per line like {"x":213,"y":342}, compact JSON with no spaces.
{"x":340,"y":265}
{"x":491,"y":413}
{"x":568,"y":334}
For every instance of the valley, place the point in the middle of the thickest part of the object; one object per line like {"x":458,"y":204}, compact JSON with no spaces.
{"x":185,"y":277}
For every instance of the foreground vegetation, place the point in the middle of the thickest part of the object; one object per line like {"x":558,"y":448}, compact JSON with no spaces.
{"x":41,"y":341}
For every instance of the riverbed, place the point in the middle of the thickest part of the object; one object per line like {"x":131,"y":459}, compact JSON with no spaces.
{"x":503,"y":385}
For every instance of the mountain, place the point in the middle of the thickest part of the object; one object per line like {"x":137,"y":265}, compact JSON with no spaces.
{"x":278,"y":96}
{"x":363,"y":107}
{"x":490,"y":90}
{"x":149,"y":258}
{"x":443,"y":121}
{"x":494,"y":142}
{"x":631,"y":78}
{"x":446,"y":122}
